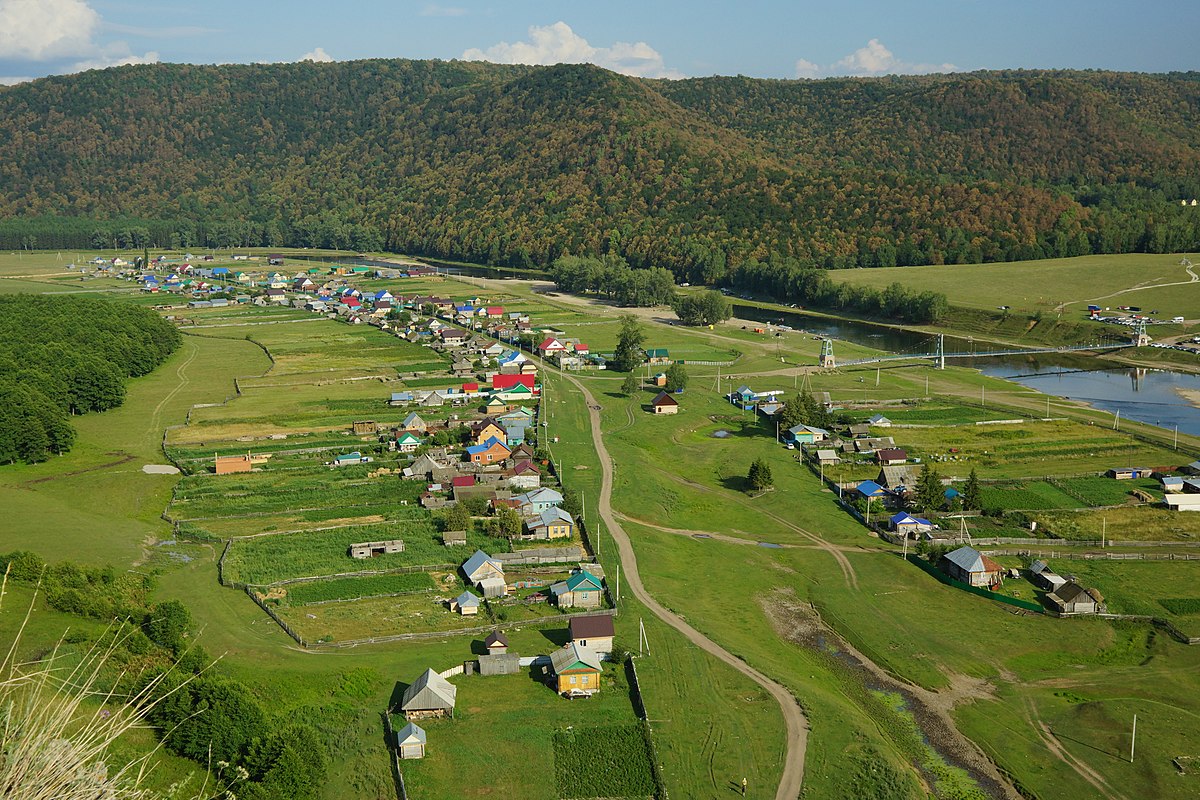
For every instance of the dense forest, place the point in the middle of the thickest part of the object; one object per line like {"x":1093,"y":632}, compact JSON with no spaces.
{"x":521,"y":165}
{"x":61,"y":356}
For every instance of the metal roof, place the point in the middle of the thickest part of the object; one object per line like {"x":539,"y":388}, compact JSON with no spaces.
{"x":429,"y":691}
{"x":968,"y":559}
{"x":573,"y":656}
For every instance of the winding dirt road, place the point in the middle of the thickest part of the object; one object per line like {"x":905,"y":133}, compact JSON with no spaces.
{"x":792,"y":777}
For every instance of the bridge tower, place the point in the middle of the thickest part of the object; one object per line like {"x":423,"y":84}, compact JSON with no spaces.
{"x":827,"y":361}
{"x":941,"y":351}
{"x":1140,"y":337}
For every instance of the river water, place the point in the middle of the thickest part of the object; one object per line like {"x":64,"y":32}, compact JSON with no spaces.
{"x":1145,"y":395}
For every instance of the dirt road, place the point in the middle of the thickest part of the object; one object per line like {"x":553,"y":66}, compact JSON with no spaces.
{"x":792,"y":777}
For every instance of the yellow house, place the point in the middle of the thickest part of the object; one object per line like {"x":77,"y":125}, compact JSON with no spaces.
{"x":576,"y":670}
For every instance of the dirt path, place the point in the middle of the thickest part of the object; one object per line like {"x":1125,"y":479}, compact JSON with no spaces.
{"x":792,"y":777}
{"x":1058,"y":751}
{"x":181,"y":373}
{"x":724,"y":537}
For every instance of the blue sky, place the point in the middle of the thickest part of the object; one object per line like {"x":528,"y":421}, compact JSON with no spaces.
{"x":655,"y":38}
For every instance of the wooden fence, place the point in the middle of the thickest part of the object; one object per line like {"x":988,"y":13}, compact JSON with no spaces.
{"x":639,"y":708}
{"x":1102,"y":556}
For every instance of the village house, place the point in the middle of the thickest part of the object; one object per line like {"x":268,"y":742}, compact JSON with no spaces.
{"x":410,"y":741}
{"x":480,"y":566}
{"x":581,"y":590}
{"x":906,"y":524}
{"x":575,"y":671}
{"x":658,"y":355}
{"x":664,"y":403}
{"x":879,"y":421}
{"x":413,"y":422}
{"x":487,"y":428}
{"x":891,"y":456}
{"x":827,"y":458}
{"x":968,"y":565}
{"x":493,"y":451}
{"x":553,"y":523}
{"x":524,"y":476}
{"x":805,"y":434}
{"x":595,"y":633}
{"x":430,"y":695}
{"x":899,"y":478}
{"x":536,"y":502}
{"x":407,"y":443}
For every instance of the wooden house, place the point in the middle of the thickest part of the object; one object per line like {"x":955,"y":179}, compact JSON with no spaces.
{"x":499,"y":664}
{"x":430,"y":695}
{"x":581,"y":590}
{"x":595,"y":633}
{"x":487,"y":428}
{"x":413,"y":422}
{"x":907,"y":525}
{"x":553,"y":523}
{"x":1071,"y":598}
{"x":454,"y":538}
{"x":968,"y":565}
{"x":410,"y":742}
{"x":407,"y":443}
{"x":891,"y":456}
{"x":480,"y":566}
{"x":658,"y":355}
{"x":575,"y":671}
{"x":496,"y":643}
{"x":664,"y":403}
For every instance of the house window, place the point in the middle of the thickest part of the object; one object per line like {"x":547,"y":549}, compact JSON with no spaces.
{"x":572,"y":679}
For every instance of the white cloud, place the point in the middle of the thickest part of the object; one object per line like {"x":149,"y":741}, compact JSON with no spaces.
{"x":318,"y":55}
{"x":63,"y":31}
{"x":114,"y":59}
{"x":13,"y":80}
{"x":873,"y":59}
{"x":558,"y":44}
{"x":433,"y":10}
{"x":38,"y":30}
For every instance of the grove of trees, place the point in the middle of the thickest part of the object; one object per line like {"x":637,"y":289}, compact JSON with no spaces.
{"x":65,"y":355}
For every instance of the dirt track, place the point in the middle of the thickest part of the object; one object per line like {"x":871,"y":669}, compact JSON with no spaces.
{"x":792,"y":777}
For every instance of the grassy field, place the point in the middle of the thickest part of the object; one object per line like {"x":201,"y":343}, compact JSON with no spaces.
{"x":1031,"y":286}
{"x":1120,"y":524}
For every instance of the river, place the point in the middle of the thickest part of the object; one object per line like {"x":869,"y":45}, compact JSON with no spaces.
{"x":1145,"y":395}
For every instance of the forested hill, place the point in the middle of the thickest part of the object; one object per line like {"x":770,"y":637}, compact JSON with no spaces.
{"x":518,"y":165}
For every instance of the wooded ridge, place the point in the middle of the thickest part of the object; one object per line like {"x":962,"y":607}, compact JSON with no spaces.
{"x":520,"y":165}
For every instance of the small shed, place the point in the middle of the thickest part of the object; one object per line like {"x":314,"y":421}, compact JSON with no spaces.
{"x":879,"y":421}
{"x":375,"y":549}
{"x":430,"y":695}
{"x":454,"y":538}
{"x":466,"y":604}
{"x":493,"y":587}
{"x":660,"y":380}
{"x":496,"y":643}
{"x":1045,"y":578}
{"x":827,"y":458}
{"x":410,"y":741}
{"x":499,"y":664}
{"x":364,"y":427}
{"x":1071,"y":598}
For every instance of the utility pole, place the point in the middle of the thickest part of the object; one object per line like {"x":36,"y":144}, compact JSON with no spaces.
{"x":599,"y":533}
{"x":1133,"y":739}
{"x":1117,"y":421}
{"x":982,"y":396}
{"x":1176,"y":436}
{"x":617,"y":594}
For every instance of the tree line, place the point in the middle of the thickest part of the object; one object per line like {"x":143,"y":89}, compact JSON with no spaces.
{"x":63,"y":355}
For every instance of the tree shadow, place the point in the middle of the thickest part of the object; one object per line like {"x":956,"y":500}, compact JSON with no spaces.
{"x":478,"y":648}
{"x":736,"y":483}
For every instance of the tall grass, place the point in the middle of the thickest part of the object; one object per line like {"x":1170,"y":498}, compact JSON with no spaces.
{"x":57,"y":724}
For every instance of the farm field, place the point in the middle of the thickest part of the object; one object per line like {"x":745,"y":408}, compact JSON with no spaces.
{"x":1120,"y":524}
{"x":1104,"y":280}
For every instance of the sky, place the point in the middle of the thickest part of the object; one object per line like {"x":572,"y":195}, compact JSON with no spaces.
{"x":650,"y":38}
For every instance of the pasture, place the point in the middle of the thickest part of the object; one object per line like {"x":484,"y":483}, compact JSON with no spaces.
{"x":1032,"y":286}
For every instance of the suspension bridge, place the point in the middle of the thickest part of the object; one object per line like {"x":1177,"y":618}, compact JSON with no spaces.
{"x":939,"y":354}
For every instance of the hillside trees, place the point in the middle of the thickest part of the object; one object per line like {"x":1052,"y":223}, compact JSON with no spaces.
{"x":516,"y":165}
